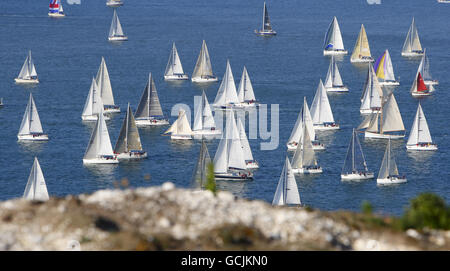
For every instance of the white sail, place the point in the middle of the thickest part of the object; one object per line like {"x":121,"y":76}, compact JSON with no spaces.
{"x":333,"y":37}
{"x":392,"y":119}
{"x":245,"y":92}
{"x":31,"y":123}
{"x":174,"y":64}
{"x":149,"y":105}
{"x":354,"y":161}
{"x":304,"y":117}
{"x":116,"y":27}
{"x":203,"y":118}
{"x":388,"y":166}
{"x":99,"y":143}
{"x":248,"y":156}
{"x":129,"y":138}
{"x":93,"y":104}
{"x":104,"y":84}
{"x":424,"y":67}
{"x":287,"y":191}
{"x":412,"y":41}
{"x":181,"y":126}
{"x":227,"y":91}
{"x":36,"y":189}
{"x":304,"y":155}
{"x":419,"y":131}
{"x":203,"y":66}
{"x":333,"y":78}
{"x":373,"y":93}
{"x":28,"y":69}
{"x":320,"y":107}
{"x":388,"y":68}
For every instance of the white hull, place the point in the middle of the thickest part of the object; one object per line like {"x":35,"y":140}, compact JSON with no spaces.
{"x":369,"y":111}
{"x":316,"y":146}
{"x":357,"y":176}
{"x":422,"y":147}
{"x":120,"y":38}
{"x":151,"y":122}
{"x":93,"y":117}
{"x":431,"y":82}
{"x":412,"y":54}
{"x":107,"y":110}
{"x":323,"y":127}
{"x":389,"y":83}
{"x":30,"y":137}
{"x":180,"y":137}
{"x":204,"y":80}
{"x":265,"y":33}
{"x":334,"y":52}
{"x":248,"y":104}
{"x":26,"y":81}
{"x":420,"y":94}
{"x":131,"y":155}
{"x":101,"y":161}
{"x":307,"y":170}
{"x":337,"y":89}
{"x":207,"y":132}
{"x":362,"y":60}
{"x":252,"y":164}
{"x":233,"y":176}
{"x":114,"y":4}
{"x":391,"y":180}
{"x":56,"y":15}
{"x":382,"y":136}
{"x":176,"y":77}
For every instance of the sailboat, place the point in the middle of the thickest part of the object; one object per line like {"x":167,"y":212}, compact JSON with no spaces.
{"x":266,"y":27}
{"x":412,"y":46}
{"x":385,"y":124}
{"x":229,"y":161}
{"x":419,"y":88}
{"x":128,"y":145}
{"x":304,"y":118}
{"x":55,"y":9}
{"x":93,"y":105}
{"x":31,"y":128}
{"x":149,"y":111}
{"x":104,"y":85}
{"x":204,"y":124}
{"x":227,"y":97}
{"x":99,"y":149}
{"x":200,"y":177}
{"x":444,"y":1}
{"x":304,"y":160}
{"x":372,"y":94}
{"x":333,"y":44}
{"x":248,"y":156}
{"x":36,"y":189}
{"x":321,"y":113}
{"x":355,"y":167}
{"x":388,"y":173}
{"x":114,"y":3}
{"x":287,"y":191}
{"x":180,"y":129}
{"x":174,"y":69}
{"x":203,"y":70}
{"x":28,"y":74}
{"x":424,"y":69}
{"x":385,"y":71}
{"x":334,"y":83}
{"x":420,"y":137}
{"x":115,"y":31}
{"x":246,"y":95}
{"x":361,"y":52}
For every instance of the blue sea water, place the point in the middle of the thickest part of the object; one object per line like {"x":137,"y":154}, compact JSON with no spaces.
{"x":283,"y":69}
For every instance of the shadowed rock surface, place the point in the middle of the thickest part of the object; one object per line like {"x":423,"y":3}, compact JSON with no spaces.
{"x":165,"y":218}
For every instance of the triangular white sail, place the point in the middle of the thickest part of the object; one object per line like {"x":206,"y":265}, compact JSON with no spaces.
{"x":28,"y":70}
{"x":304,"y":155}
{"x":203,"y":118}
{"x":419,"y":131}
{"x":104,"y":84}
{"x":392,"y":119}
{"x":149,"y":105}
{"x":373,"y":93}
{"x":424,"y":68}
{"x":36,"y":189}
{"x":31,"y":123}
{"x":226,"y":94}
{"x":383,"y":67}
{"x":203,"y":66}
{"x":354,"y":161}
{"x":388,"y":166}
{"x":174,"y":66}
{"x":129,"y":138}
{"x":412,"y":41}
{"x":304,"y":117}
{"x":99,"y":143}
{"x":320,"y":107}
{"x":181,"y":126}
{"x":287,"y":191}
{"x":116,"y":28}
{"x":333,"y":37}
{"x":361,"y":48}
{"x":199,"y":178}
{"x":93,"y":104}
{"x":333,"y":78}
{"x":245,"y":92}
{"x":248,"y":156}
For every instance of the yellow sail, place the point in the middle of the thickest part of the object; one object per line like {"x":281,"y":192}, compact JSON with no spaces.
{"x":361,"y":48}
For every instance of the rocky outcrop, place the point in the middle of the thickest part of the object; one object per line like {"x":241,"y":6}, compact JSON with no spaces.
{"x":166,"y":218}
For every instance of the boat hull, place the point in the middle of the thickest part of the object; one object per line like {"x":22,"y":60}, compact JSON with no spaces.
{"x":369,"y":111}
{"x":334,"y":52}
{"x":31,"y":137}
{"x":199,"y":134}
{"x":121,"y":38}
{"x":361,"y":60}
{"x":180,"y":137}
{"x":307,"y":170}
{"x":420,"y":94}
{"x":114,"y":5}
{"x":324,"y":127}
{"x":248,"y":104}
{"x":233,"y":176}
{"x":389,"y":83}
{"x":357,"y":176}
{"x":422,"y":147}
{"x":412,"y":54}
{"x":56,"y":15}
{"x":252,"y":164}
{"x":381,"y":136}
{"x":337,"y":89}
{"x":204,"y":80}
{"x":265,"y":33}
{"x":132,"y":155}
{"x":176,"y":77}
{"x":316,"y":146}
{"x":431,"y":82}
{"x":111,"y":109}
{"x":391,"y":180}
{"x":100,"y":160}
{"x":151,"y":122}
{"x":93,"y":117}
{"x":26,"y":81}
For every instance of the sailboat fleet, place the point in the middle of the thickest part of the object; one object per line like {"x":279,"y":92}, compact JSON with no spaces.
{"x":233,"y":159}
